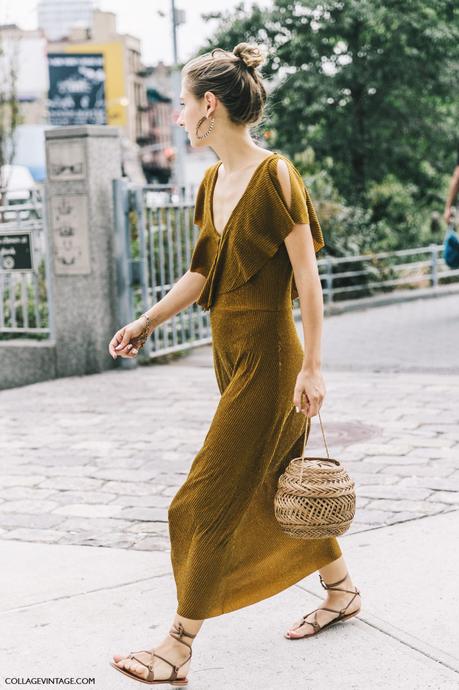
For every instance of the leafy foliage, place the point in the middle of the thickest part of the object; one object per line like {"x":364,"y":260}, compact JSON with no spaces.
{"x":369,"y":90}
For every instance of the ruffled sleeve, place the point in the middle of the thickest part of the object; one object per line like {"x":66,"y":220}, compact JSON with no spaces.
{"x":301,"y":211}
{"x":204,"y":248}
{"x":301,"y":208}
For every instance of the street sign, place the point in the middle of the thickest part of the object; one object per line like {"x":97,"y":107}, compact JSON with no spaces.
{"x":16,"y":251}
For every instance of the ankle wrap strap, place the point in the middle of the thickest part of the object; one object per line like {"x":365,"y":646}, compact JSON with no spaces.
{"x":178,"y":631}
{"x":332,"y":584}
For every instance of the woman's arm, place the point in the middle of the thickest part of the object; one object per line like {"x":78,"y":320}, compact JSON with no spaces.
{"x":127,"y":340}
{"x":300,"y":247}
{"x":183,"y":293}
{"x":452,"y":193}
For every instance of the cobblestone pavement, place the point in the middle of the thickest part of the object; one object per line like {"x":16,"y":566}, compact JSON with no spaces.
{"x":95,"y":460}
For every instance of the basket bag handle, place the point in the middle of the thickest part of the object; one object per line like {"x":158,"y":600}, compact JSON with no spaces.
{"x":306,"y":436}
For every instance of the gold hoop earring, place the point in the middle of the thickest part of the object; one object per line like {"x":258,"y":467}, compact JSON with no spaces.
{"x":212,"y":122}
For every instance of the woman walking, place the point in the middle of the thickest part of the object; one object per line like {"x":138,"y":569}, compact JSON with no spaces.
{"x":255,"y":253}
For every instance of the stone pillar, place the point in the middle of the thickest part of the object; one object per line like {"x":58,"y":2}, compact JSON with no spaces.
{"x":82,"y":163}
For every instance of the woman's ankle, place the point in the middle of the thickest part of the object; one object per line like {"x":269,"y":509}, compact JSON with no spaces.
{"x":171,"y":642}
{"x":345,"y":584}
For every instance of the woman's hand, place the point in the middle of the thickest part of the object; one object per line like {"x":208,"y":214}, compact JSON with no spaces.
{"x":129,"y":340}
{"x":448,"y":215}
{"x":309,"y":386}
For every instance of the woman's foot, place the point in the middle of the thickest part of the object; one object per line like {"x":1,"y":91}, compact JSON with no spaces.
{"x":171,"y":649}
{"x":336,"y":600}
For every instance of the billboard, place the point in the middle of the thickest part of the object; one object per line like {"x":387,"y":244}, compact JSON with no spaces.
{"x":76,"y":89}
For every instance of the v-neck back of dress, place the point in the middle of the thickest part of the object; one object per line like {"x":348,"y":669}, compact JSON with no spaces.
{"x":238,"y":204}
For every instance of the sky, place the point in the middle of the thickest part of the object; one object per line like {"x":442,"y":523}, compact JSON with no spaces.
{"x":141,"y":18}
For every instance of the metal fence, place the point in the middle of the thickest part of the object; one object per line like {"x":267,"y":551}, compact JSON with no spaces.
{"x":366,"y":275}
{"x":24,"y":270}
{"x":156,"y":235}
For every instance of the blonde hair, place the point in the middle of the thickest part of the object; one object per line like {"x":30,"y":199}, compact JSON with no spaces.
{"x":233,"y":77}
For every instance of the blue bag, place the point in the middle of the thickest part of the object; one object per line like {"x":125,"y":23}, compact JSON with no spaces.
{"x":451,"y":248}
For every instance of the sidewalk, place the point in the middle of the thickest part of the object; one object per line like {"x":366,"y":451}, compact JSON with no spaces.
{"x":94,"y":461}
{"x":84,"y":604}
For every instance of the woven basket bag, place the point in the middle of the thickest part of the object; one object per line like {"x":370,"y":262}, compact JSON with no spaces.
{"x":315,"y":497}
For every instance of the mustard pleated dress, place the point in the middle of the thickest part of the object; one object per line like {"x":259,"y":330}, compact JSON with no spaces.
{"x":227,"y":549}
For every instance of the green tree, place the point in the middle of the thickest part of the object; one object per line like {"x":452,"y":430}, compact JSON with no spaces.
{"x":371,"y":85}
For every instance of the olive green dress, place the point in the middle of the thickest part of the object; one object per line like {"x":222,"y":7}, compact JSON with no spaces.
{"x":227,"y":549}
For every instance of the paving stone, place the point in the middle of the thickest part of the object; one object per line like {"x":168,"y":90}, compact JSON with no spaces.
{"x":60,"y":460}
{"x":373,"y":517}
{"x":27,"y":506}
{"x":88,"y":510}
{"x":365,"y":478}
{"x":47,"y":536}
{"x":119,"y":463}
{"x":395,"y":492}
{"x":154,"y":501}
{"x":43,"y":520}
{"x":384,"y":460}
{"x":152,"y":544}
{"x":437,"y":453}
{"x":97,"y":524}
{"x":70,"y":471}
{"x":123,"y":474}
{"x":146,"y":528}
{"x":435,"y":442}
{"x":417,"y":470}
{"x":172,"y":477}
{"x":71,"y":484}
{"x":379,"y":449}
{"x":360,"y":527}
{"x":20,"y":480}
{"x":109,"y":540}
{"x":96,"y":446}
{"x":439,"y":426}
{"x":133,"y":489}
{"x":148,"y":514}
{"x":423,"y":507}
{"x":446,"y":484}
{"x":166,"y":458}
{"x":361,"y":502}
{"x":445,"y":497}
{"x":403,"y":516}
{"x":69,"y":497}
{"x":20,"y":470}
{"x":170,"y":491}
{"x":17,"y":492}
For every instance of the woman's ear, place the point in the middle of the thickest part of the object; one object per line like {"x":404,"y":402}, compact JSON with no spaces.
{"x":211,"y":102}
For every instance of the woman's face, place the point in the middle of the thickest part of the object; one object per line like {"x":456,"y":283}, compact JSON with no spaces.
{"x":191,"y":112}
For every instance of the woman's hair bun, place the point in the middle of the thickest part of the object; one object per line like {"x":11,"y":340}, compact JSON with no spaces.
{"x":250,"y":53}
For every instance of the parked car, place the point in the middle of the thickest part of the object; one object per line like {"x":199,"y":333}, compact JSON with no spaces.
{"x":18,"y":188}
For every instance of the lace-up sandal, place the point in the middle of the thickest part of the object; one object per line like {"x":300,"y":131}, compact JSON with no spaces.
{"x":177,"y":631}
{"x":342,"y":615}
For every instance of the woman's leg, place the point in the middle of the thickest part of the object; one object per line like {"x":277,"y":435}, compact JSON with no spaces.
{"x":170,"y":648}
{"x":331,"y":574}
